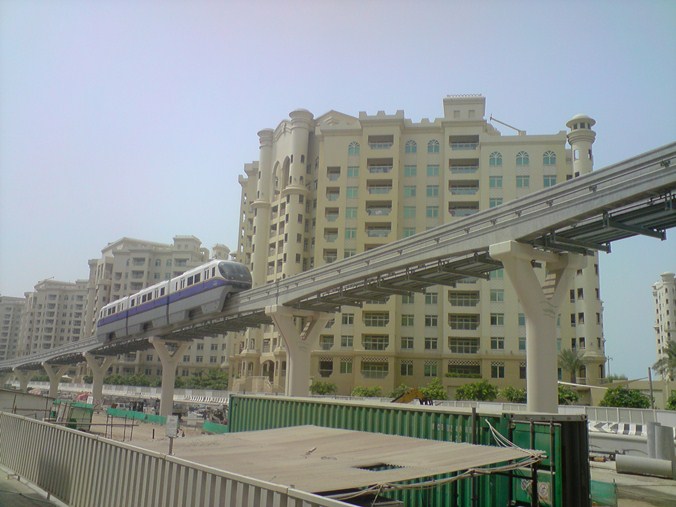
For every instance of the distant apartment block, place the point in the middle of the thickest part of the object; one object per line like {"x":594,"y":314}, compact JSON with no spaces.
{"x":664,"y":294}
{"x":53,"y":316}
{"x":11,"y":309}
{"x":330,"y":187}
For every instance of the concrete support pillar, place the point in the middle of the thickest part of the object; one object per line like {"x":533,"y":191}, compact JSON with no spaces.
{"x":299,"y":344}
{"x":54,"y":372}
{"x":169,"y":362}
{"x":99,"y":370}
{"x":541,"y":305}
{"x":23,"y":376}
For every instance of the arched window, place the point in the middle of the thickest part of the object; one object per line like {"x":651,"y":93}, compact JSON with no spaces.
{"x":411,"y":147}
{"x":495,"y":159}
{"x":549,"y":158}
{"x":522,"y":158}
{"x":353,"y":149}
{"x":433,"y":146}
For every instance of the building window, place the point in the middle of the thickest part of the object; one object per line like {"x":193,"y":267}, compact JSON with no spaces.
{"x":325,"y":367}
{"x":522,"y":319}
{"x":549,"y":158}
{"x":522,"y":181}
{"x":408,"y":299}
{"x":326,"y":342}
{"x":522,"y":343}
{"x":406,"y":368}
{"x":410,"y":171}
{"x":522,"y":158}
{"x":432,"y":211}
{"x":463,"y":298}
{"x":350,"y":212}
{"x":497,"y":370}
{"x":431,"y":369}
{"x":376,"y":319}
{"x":352,"y":171}
{"x":497,"y":319}
{"x":522,"y":371}
{"x":432,"y":190}
{"x":463,"y":322}
{"x":497,"y":343}
{"x":409,"y":191}
{"x":431,"y":343}
{"x":548,"y":181}
{"x":346,"y":341}
{"x":433,"y":170}
{"x":433,"y":146}
{"x":463,"y":345}
{"x":431,"y":298}
{"x":411,"y":147}
{"x":350,"y":232}
{"x":495,"y":181}
{"x":431,"y":320}
{"x":374,"y":369}
{"x":495,"y":159}
{"x":353,"y":149}
{"x":497,"y":296}
{"x":407,"y":319}
{"x":407,"y":343}
{"x":345,"y":365}
{"x":352,"y":192}
{"x":409,"y":211}
{"x":494,"y":202}
{"x":408,"y":231}
{"x":375,"y":342}
{"x":347,"y":319}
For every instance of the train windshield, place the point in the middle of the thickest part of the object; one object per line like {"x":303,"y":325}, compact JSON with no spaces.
{"x":234,"y":271}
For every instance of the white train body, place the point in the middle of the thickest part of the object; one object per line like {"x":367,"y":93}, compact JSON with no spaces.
{"x":199,"y":291}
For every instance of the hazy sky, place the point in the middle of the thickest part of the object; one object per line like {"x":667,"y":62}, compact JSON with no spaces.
{"x":135,"y":118}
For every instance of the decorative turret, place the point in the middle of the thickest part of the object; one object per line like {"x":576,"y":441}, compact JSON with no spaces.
{"x":581,"y":137}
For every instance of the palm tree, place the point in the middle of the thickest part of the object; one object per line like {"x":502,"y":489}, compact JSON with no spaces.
{"x":571,"y":361}
{"x":666,"y":365}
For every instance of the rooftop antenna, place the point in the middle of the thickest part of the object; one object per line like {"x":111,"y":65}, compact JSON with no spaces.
{"x":520,"y":132}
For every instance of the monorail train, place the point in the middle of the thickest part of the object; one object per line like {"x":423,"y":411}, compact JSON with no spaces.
{"x":199,"y":291}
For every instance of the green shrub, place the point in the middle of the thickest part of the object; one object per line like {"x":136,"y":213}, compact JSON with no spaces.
{"x":434,"y":390}
{"x":514,"y":394}
{"x":367,"y":392}
{"x":626,"y":398}
{"x":477,"y":391}
{"x":322,"y":388}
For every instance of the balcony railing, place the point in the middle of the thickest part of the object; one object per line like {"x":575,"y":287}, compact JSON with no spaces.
{"x":464,"y":169}
{"x":378,"y":233}
{"x":380,"y":169}
{"x":378,"y":211}
{"x":464,"y":146}
{"x":380,"y":146}
{"x":379,"y":190}
{"x":464,"y":190}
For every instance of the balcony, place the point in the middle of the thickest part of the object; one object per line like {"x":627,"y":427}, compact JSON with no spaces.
{"x":381,"y":142}
{"x":463,"y":143}
{"x":463,"y":210}
{"x":378,"y":232}
{"x":378,"y":211}
{"x":379,"y":189}
{"x":380,"y":169}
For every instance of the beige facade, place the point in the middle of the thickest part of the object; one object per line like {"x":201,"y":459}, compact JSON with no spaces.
{"x":11,"y":309}
{"x":129,"y":265}
{"x":330,"y":187}
{"x":664,"y":294}
{"x":53,"y":316}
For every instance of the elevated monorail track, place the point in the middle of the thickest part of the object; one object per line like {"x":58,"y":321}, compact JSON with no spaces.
{"x":583,"y":215}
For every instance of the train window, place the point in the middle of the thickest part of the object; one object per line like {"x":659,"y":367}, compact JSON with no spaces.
{"x":213,"y":271}
{"x":143,"y":298}
{"x":150,"y":296}
{"x":133,"y":302}
{"x":197,"y":277}
{"x":190,"y":279}
{"x":162,"y":291}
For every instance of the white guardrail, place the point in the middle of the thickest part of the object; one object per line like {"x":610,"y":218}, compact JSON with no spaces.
{"x":82,"y":470}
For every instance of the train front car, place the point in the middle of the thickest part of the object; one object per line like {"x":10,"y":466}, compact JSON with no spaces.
{"x":203,"y":290}
{"x":112,"y":321}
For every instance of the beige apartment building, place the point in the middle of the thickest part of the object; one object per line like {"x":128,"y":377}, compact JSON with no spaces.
{"x":11,"y":309}
{"x":53,"y":316}
{"x":327,"y":188}
{"x":664,"y":294}
{"x":129,"y":265}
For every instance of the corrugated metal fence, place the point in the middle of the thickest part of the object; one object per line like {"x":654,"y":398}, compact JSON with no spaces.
{"x":83,"y":470}
{"x":563,"y":479}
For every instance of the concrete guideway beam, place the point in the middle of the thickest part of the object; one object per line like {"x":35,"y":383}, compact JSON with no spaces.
{"x":169,"y":362}
{"x":55,"y":372}
{"x":99,"y":370}
{"x":299,"y":343}
{"x":541,"y":309}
